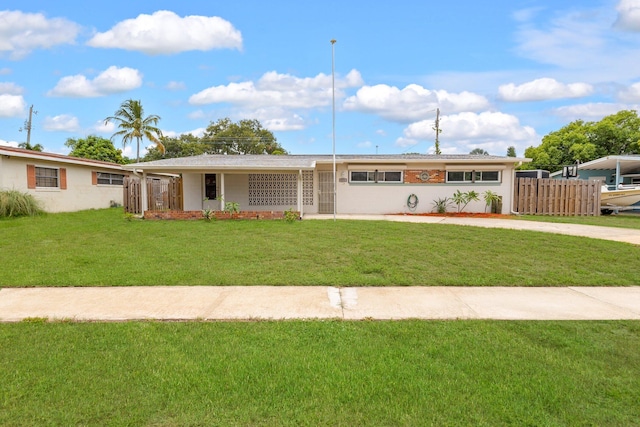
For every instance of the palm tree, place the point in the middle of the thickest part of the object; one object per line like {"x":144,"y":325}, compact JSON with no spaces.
{"x":28,"y":146}
{"x":133,"y":125}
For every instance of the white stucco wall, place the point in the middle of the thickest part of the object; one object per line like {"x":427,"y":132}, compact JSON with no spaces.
{"x":391,"y":198}
{"x":355,"y":198}
{"x":79,"y":195}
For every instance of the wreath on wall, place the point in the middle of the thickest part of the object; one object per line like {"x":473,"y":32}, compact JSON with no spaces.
{"x":412,"y":202}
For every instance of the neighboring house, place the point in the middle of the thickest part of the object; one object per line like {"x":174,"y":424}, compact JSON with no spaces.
{"x":611,"y":170}
{"x":365,"y":184}
{"x":61,"y":183}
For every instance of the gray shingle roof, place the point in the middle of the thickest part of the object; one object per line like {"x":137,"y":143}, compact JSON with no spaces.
{"x":263,"y":161}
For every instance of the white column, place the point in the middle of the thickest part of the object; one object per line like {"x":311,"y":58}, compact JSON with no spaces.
{"x":300,"y":192}
{"x":222,"y":191}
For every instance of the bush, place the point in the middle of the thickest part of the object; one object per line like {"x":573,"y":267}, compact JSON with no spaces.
{"x":14,"y":203}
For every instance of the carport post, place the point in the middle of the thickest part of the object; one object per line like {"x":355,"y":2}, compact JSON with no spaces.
{"x":143,"y":190}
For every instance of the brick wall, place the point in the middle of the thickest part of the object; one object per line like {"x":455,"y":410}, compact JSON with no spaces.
{"x":217,"y":214}
{"x":418,"y":176}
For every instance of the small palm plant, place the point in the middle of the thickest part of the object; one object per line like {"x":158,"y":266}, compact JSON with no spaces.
{"x":441,"y":205}
{"x":490,"y":198}
{"x":463,"y":199}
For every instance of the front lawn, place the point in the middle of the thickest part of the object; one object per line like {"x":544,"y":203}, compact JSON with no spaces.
{"x":101,"y":248}
{"x":441,"y":373}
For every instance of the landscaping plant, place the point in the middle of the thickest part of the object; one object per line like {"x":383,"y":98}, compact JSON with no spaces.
{"x":464,"y":198}
{"x":490,"y":198}
{"x":441,"y":205}
{"x":14,"y":203}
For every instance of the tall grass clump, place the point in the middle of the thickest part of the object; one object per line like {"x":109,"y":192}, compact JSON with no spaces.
{"x":14,"y":203}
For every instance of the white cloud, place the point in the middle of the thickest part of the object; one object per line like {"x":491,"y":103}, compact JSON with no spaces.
{"x":5,"y":71}
{"x":281,"y":90}
{"x":102,"y":127}
{"x":111,"y":80}
{"x":61,"y":123}
{"x":592,"y":111}
{"x":543,"y":89}
{"x":12,"y":105}
{"x":493,"y":131}
{"x":630,"y":94}
{"x":10,"y":89}
{"x":628,"y":15}
{"x":9,"y":143}
{"x":176,"y":86}
{"x":24,"y":32}
{"x":576,"y":39}
{"x":364,"y":144}
{"x":411,"y":103}
{"x":276,"y":119}
{"x":164,"y":33}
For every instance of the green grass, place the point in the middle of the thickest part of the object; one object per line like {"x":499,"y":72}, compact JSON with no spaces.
{"x":101,"y":248}
{"x":623,"y":220}
{"x":480,"y":373}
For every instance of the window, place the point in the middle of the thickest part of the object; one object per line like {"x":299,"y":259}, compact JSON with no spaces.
{"x":110,"y":178}
{"x":473,"y":176}
{"x":376,"y":176}
{"x":210,"y":186}
{"x":46,"y":177}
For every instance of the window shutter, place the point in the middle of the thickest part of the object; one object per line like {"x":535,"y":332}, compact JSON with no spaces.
{"x":31,"y":176}
{"x":94,"y":178}
{"x":63,"y":179}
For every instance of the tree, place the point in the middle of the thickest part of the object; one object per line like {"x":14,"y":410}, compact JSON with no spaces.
{"x":28,"y":146}
{"x":133,"y":125}
{"x":580,"y":141}
{"x":511,"y":151}
{"x":243,"y":137}
{"x":184,"y":146}
{"x":96,"y":148}
{"x":479,"y":151}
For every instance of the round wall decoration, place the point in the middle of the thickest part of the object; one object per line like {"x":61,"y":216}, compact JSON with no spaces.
{"x":424,"y":176}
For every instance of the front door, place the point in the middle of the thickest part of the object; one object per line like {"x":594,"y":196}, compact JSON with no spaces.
{"x":326,"y":189}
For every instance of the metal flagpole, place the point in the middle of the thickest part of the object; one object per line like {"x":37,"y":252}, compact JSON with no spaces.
{"x":333,"y":133}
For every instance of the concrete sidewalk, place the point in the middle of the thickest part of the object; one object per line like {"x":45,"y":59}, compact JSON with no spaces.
{"x":318,"y":302}
{"x":625,"y":235}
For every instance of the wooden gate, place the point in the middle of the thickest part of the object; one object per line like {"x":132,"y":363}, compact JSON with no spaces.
{"x":162,"y":194}
{"x":560,"y":197}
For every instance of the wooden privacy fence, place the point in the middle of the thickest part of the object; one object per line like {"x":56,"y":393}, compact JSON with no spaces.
{"x":563,"y":197}
{"x":162,"y":194}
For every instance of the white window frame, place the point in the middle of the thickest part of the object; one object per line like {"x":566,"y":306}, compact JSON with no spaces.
{"x":376,"y":176}
{"x":41,"y":177}
{"x":110,"y":178}
{"x":473,"y":176}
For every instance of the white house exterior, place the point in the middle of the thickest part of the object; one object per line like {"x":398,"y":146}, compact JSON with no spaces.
{"x":364,"y":184}
{"x":61,"y":183}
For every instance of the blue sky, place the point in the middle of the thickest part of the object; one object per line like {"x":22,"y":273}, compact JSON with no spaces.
{"x":501,"y":72}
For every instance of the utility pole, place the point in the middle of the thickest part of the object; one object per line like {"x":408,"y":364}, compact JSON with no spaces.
{"x":27,"y":124}
{"x":437,"y":129}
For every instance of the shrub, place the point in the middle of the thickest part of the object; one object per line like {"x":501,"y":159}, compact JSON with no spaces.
{"x":14,"y":203}
{"x":441,"y":205}
{"x":290,"y":215}
{"x":460,"y":198}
